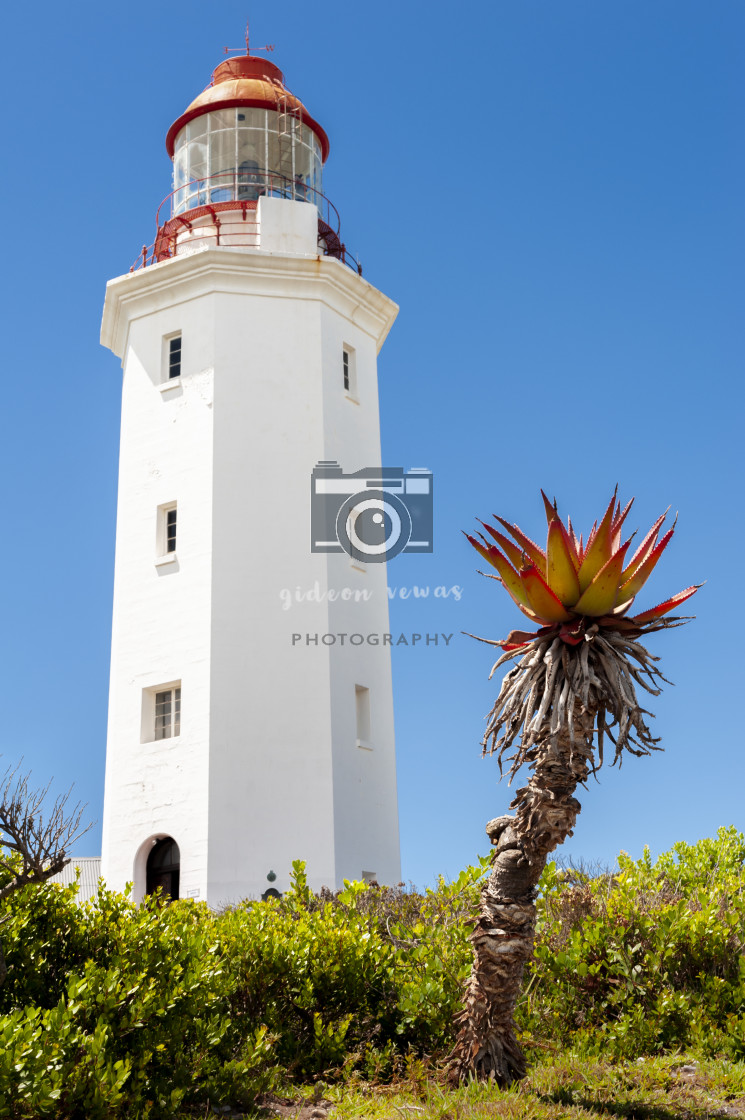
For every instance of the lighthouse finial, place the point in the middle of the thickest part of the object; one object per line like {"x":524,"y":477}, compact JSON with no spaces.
{"x":266,"y":47}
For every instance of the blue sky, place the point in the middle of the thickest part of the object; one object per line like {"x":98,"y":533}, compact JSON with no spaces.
{"x":552,"y":192}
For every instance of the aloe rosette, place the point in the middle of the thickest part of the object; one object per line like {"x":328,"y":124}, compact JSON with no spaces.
{"x":585,"y":655}
{"x":572,"y":585}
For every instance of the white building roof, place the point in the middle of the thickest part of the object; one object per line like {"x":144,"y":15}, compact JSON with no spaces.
{"x":90,"y":871}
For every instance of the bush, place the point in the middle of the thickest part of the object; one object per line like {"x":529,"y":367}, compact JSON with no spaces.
{"x":112,"y":1010}
{"x":102,"y":1004}
{"x":645,"y":960}
{"x":346,"y":980}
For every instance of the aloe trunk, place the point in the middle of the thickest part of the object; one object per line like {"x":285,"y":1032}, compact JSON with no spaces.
{"x":502,"y":941}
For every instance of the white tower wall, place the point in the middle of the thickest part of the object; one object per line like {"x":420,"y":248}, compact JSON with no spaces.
{"x":267,"y":767}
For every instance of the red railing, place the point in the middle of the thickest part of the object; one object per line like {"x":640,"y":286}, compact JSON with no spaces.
{"x":237,"y":190}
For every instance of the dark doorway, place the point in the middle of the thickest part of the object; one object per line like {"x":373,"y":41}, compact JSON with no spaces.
{"x":163,"y":866}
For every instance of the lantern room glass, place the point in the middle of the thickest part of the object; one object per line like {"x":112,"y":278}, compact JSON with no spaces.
{"x":243,"y":153}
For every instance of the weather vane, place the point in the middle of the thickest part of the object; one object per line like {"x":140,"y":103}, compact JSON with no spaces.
{"x":266,"y":47}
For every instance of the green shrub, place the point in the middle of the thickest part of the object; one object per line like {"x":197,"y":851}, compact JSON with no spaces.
{"x":44,"y":941}
{"x":341,"y":979}
{"x":139,"y":1017}
{"x":117,"y":1011}
{"x":645,"y":960}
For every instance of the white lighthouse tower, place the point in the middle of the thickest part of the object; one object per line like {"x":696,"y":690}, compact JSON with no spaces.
{"x":250,"y":715}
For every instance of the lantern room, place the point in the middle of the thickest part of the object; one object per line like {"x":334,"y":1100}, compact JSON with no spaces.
{"x":246,"y":136}
{"x":243,"y":139}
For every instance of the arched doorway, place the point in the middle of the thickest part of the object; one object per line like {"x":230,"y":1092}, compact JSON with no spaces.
{"x":163,"y":868}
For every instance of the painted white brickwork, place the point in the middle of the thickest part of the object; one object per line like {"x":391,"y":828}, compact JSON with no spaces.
{"x":266,"y":768}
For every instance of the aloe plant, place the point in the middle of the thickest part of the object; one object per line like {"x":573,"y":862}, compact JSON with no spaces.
{"x":572,"y":684}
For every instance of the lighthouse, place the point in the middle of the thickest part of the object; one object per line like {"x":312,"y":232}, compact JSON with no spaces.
{"x":250,"y":706}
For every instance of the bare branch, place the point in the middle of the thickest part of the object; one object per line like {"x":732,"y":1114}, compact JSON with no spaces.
{"x":34,"y":838}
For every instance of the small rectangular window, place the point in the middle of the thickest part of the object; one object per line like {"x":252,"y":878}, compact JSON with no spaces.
{"x":349,"y":371}
{"x":161,"y":712}
{"x":168,"y":713}
{"x":166,"y":532}
{"x":170,"y":530}
{"x":174,"y":357}
{"x":362,"y":707}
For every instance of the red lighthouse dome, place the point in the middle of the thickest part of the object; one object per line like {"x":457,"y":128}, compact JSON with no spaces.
{"x":252,"y":82}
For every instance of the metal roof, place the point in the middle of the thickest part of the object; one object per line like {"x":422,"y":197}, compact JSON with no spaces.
{"x":90,"y":872}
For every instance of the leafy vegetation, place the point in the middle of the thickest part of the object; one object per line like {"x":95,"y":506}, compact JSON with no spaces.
{"x":112,"y":1010}
{"x":646,"y":960}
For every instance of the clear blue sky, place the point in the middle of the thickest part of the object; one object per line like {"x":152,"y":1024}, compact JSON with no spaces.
{"x":553,"y":193}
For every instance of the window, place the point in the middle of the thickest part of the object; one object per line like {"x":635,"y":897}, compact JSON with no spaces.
{"x":349,"y":371}
{"x":174,"y":357}
{"x":167,"y":713}
{"x":170,"y":530}
{"x":165,"y":542}
{"x":362,"y":705}
{"x":161,"y":712}
{"x":272,"y":152}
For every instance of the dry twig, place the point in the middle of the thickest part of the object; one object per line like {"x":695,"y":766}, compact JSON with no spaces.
{"x":34,"y":838}
{"x":551,"y":679}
